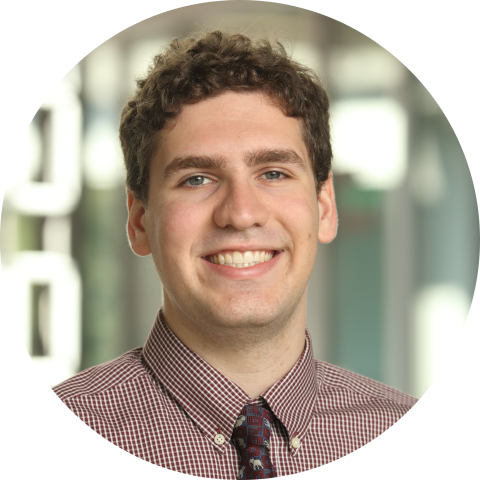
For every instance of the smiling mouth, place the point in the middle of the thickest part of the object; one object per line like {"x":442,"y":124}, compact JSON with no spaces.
{"x":238,"y":259}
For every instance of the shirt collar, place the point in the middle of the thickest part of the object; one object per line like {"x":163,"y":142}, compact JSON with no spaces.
{"x":214,"y":402}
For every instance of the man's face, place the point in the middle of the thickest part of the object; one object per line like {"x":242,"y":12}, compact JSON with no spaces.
{"x":231,"y":175}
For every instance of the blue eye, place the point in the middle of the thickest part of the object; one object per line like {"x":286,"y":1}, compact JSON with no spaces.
{"x":273,"y":175}
{"x":198,"y":180}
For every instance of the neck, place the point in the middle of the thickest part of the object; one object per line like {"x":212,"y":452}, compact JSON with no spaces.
{"x":253,"y":358}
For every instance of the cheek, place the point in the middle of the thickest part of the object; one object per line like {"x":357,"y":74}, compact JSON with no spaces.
{"x":299,"y":216}
{"x":172,"y":232}
{"x":299,"y":213}
{"x":178,"y":226}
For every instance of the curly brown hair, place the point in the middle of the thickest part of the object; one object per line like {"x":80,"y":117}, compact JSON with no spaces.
{"x":198,"y":67}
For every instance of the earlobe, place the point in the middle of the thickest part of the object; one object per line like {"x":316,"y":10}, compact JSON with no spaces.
{"x":328,"y":217}
{"x":136,"y":228}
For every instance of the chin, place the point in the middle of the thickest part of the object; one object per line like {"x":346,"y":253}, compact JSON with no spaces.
{"x":250,"y":316}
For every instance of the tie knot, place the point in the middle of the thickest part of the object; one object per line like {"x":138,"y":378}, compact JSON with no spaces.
{"x":252,"y":428}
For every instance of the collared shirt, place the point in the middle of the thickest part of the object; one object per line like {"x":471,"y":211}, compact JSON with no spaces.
{"x":165,"y":404}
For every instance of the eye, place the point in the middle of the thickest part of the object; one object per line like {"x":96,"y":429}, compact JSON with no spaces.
{"x":273,"y":175}
{"x":197,"y":180}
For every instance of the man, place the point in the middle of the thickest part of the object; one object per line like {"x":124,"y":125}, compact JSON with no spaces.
{"x":227,"y":151}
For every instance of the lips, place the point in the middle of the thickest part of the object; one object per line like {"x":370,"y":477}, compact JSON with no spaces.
{"x":237,"y":259}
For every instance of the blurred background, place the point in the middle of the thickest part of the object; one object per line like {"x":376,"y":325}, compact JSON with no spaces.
{"x":386,"y":299}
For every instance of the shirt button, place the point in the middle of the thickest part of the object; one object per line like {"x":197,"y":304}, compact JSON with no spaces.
{"x":219,"y":439}
{"x":295,"y":442}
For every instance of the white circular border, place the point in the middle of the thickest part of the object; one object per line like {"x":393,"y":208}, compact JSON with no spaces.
{"x":42,"y":40}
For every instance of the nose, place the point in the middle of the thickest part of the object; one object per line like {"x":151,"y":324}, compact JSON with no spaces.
{"x":241,"y":207}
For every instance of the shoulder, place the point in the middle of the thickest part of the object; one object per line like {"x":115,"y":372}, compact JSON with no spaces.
{"x":116,"y":398}
{"x":353,"y":387}
{"x":351,"y":410}
{"x":102,"y":378}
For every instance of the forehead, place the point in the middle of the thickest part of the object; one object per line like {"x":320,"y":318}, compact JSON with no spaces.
{"x":230,"y":125}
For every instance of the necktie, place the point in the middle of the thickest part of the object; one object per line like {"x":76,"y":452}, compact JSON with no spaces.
{"x":252,"y":437}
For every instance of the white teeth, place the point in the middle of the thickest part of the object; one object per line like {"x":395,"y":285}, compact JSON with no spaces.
{"x":245,"y":265}
{"x":248,"y":257}
{"x":237,"y":257}
{"x":239,"y":260}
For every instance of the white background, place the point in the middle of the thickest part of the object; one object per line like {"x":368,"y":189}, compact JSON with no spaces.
{"x":437,"y":40}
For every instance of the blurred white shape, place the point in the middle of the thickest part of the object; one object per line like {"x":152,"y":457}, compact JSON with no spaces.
{"x":104,"y":75}
{"x":29,"y":151}
{"x":74,"y":79}
{"x":57,"y":235}
{"x":428,"y":181}
{"x":369,"y":139}
{"x":140,"y":57}
{"x":366,"y":68}
{"x":9,"y":233}
{"x":103,"y":165}
{"x":308,"y":54}
{"x":37,"y":198}
{"x":62,"y":331}
{"x":60,"y":194}
{"x":440,"y":312}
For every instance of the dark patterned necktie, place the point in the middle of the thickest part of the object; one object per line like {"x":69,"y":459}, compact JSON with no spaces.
{"x":252,"y":437}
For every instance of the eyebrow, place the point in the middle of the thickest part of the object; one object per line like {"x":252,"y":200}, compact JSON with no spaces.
{"x":252,"y":159}
{"x":195,"y":162}
{"x":261,"y":157}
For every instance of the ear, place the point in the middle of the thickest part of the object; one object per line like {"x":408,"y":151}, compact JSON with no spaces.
{"x":137,"y":234}
{"x":328,"y":218}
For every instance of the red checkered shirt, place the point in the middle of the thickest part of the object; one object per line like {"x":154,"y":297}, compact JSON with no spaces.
{"x":165,"y":404}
